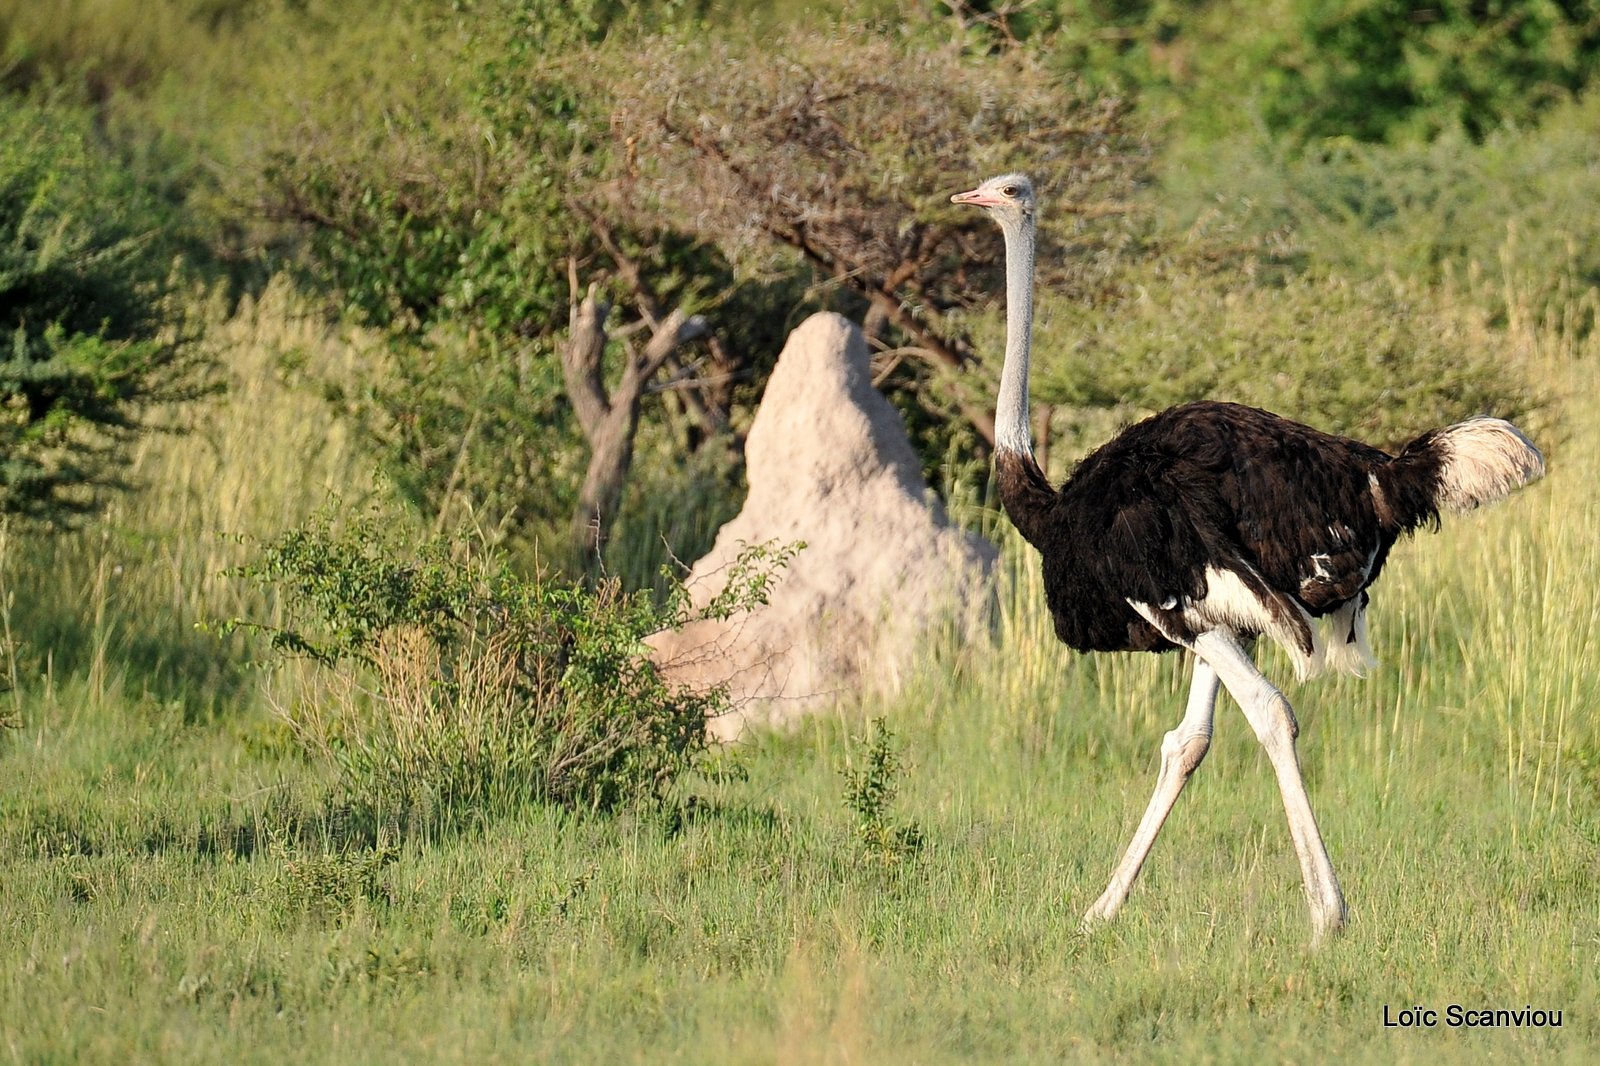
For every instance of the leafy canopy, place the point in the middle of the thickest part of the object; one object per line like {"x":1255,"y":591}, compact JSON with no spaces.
{"x":90,"y":335}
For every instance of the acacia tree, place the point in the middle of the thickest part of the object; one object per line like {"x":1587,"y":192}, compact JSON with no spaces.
{"x":673,"y":175}
{"x":844,"y":149}
{"x":525,"y":324}
{"x":89,"y":339}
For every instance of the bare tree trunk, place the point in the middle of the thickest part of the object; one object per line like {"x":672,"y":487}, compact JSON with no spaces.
{"x":610,"y":421}
{"x":581,"y":355}
{"x":610,"y":458}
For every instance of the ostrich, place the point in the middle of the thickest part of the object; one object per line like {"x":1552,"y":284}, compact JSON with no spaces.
{"x":1210,"y":524}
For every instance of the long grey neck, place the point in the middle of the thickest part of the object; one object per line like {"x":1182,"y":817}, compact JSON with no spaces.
{"x":1011,"y":430}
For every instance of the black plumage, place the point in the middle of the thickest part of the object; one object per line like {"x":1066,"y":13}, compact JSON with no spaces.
{"x":1304,"y":518}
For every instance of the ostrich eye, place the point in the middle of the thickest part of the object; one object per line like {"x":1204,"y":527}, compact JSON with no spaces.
{"x":1009,"y":190}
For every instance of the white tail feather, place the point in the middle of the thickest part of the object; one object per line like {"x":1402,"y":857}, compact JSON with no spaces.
{"x":1341,"y":654}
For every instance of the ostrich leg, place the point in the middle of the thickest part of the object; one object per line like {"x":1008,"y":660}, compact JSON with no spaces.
{"x":1272,"y":719}
{"x":1181,"y":751}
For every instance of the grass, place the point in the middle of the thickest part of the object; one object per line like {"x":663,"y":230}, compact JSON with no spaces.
{"x":180,"y":886}
{"x":149,"y":919}
{"x":119,"y":601}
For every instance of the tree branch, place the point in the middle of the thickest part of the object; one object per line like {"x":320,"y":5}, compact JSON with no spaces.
{"x":581,"y":355}
{"x":880,"y":291}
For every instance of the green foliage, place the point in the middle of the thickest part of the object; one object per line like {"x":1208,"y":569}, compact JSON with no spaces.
{"x":1503,"y":221}
{"x":749,"y":578}
{"x":452,"y":227}
{"x":102,"y":49}
{"x":330,"y":884}
{"x":451,"y":215}
{"x":1376,"y":70}
{"x":90,"y":335}
{"x":469,"y":427}
{"x":1366,"y":359}
{"x":1384,"y":70}
{"x":454,"y":689}
{"x":869,"y":793}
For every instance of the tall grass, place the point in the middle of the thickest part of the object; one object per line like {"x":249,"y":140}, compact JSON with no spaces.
{"x":178,"y":886}
{"x":119,"y":601}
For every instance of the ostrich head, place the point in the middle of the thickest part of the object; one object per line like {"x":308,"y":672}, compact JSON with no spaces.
{"x":1008,"y":199}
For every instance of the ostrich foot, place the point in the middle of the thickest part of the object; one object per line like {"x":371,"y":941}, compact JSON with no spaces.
{"x":1105,"y":908}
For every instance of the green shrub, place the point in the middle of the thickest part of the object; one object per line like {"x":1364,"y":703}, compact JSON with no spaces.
{"x":90,"y":335}
{"x":1364,"y":358}
{"x":330,"y":884}
{"x":450,"y":688}
{"x":1385,"y":69}
{"x":869,"y":793}
{"x":1514,"y":209}
{"x":1306,"y":71}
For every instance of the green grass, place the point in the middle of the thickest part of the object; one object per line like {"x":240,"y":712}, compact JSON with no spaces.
{"x":181,"y":886}
{"x":159,"y":903}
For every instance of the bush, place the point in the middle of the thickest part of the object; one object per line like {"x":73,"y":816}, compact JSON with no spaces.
{"x":449,"y":687}
{"x":1514,"y":209}
{"x":1379,"y":70}
{"x":89,"y":332}
{"x":1387,"y":69}
{"x":1364,"y":358}
{"x":331,"y":884}
{"x":869,"y":793}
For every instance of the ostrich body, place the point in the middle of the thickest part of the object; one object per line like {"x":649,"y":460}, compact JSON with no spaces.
{"x":1210,"y":524}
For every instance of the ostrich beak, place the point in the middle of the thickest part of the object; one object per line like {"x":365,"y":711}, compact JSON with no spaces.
{"x":977,"y":198}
